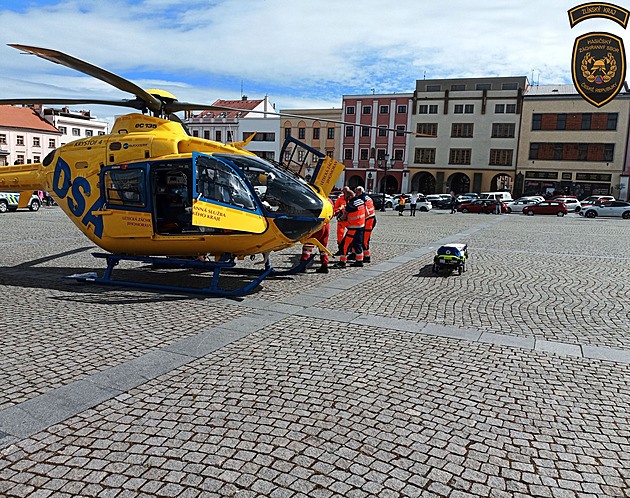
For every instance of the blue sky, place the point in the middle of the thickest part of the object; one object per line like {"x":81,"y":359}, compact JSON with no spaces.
{"x":302,"y":53}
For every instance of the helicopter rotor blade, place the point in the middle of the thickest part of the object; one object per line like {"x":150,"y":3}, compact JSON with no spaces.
{"x":187,"y":106}
{"x":91,"y":70}
{"x":136,"y":103}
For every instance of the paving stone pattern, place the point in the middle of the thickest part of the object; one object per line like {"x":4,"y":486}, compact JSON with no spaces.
{"x":381,"y":381}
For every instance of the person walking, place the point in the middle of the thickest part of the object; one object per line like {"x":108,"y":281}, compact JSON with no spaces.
{"x":413,"y":200}
{"x":453,"y":203}
{"x":354,"y":214}
{"x":497,"y":208}
{"x":370,"y":222}
{"x":401,"y":204}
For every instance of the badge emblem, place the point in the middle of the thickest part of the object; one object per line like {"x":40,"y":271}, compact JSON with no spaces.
{"x":598,"y":67}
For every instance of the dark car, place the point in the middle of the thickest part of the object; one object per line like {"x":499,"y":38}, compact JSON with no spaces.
{"x":481,"y":206}
{"x":547,"y":207}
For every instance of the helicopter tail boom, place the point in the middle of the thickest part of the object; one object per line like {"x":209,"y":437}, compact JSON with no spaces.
{"x":22,"y":177}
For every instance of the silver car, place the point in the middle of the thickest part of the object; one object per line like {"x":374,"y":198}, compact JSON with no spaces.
{"x":518,"y":205}
{"x":612,"y":208}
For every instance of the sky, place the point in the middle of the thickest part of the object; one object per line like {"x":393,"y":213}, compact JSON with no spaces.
{"x":302,"y":53}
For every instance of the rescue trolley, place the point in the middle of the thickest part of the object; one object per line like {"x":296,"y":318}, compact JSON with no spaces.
{"x":451,"y":257}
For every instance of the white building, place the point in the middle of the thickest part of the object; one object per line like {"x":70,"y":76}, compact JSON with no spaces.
{"x":73,"y":125}
{"x":24,"y":136}
{"x":235,"y":126}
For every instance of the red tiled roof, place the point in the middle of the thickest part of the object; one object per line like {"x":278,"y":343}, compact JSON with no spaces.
{"x":23,"y":117}
{"x":246,"y":105}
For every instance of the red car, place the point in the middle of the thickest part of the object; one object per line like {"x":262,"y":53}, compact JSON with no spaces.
{"x":481,"y":206}
{"x":547,"y":207}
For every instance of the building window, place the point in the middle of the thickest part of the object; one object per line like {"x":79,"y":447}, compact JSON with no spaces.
{"x":20,"y":159}
{"x":384,"y":109}
{"x":331,"y":133}
{"x":36,"y":143}
{"x":459,"y":156}
{"x":218,"y":135}
{"x":582,"y":152}
{"x":287,"y":133}
{"x":101,"y":133}
{"x":350,"y":109}
{"x":469,"y":108}
{"x":424,"y":156}
{"x":509,"y":86}
{"x":63,"y":129}
{"x":349,"y":131}
{"x":499,"y":108}
{"x":301,"y":133}
{"x":382,"y":131}
{"x":609,"y":152}
{"x":423,"y":109}
{"x":399,"y":154}
{"x":428,"y":129}
{"x":458,"y":88}
{"x":400,"y":130}
{"x":483,"y":86}
{"x":51,"y":143}
{"x":380,"y":155}
{"x":3,"y":139}
{"x":347,"y":154}
{"x":76,"y":132}
{"x":89,"y":133}
{"x":20,"y":141}
{"x":533,"y":150}
{"x":459,"y":109}
{"x":433,"y":109}
{"x":36,"y":159}
{"x":206,"y":134}
{"x":434,"y":88}
{"x":315,"y":133}
{"x":462,"y":130}
{"x":230,"y":136}
{"x":612,"y":121}
{"x":586,"y":121}
{"x":365,"y":154}
{"x":537,"y":122}
{"x":503,"y":130}
{"x":501,"y":157}
{"x":402,"y":109}
{"x":367,"y":109}
{"x":365,"y":131}
{"x":510,"y":108}
{"x":195,"y":133}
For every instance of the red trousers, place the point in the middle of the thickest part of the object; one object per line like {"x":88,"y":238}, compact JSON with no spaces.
{"x":321,"y":235}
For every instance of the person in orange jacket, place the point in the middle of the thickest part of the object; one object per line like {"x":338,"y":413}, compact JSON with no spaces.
{"x":354,"y":214}
{"x":322,"y":236}
{"x":370,"y":222}
{"x":338,"y":209}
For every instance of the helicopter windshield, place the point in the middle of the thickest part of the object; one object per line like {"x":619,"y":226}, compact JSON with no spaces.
{"x":280,"y":193}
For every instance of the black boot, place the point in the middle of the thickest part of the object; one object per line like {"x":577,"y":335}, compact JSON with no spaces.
{"x":322,"y":269}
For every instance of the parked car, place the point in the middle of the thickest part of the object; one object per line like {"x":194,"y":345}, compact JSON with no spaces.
{"x":546,"y":207}
{"x":481,"y":206}
{"x":520,"y":203}
{"x":378,"y":201}
{"x":570,"y":201}
{"x":9,"y":201}
{"x":593,"y":200}
{"x":502,"y":196}
{"x":610,"y":208}
{"x":434,"y":199}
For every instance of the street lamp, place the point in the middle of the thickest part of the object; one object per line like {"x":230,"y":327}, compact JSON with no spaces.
{"x":384,"y":166}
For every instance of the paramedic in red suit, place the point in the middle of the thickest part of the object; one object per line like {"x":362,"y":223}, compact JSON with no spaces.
{"x":355,"y":216}
{"x":322,"y":236}
{"x":338,"y":208}
{"x":370,"y":221}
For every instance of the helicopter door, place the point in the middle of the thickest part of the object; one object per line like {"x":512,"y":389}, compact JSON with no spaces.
{"x":221,"y":199}
{"x":314,"y":166}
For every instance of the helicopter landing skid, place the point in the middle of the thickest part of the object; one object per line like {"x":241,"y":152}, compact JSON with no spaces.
{"x":215,"y":266}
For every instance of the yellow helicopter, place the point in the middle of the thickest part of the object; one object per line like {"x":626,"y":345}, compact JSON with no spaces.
{"x":149,"y":192}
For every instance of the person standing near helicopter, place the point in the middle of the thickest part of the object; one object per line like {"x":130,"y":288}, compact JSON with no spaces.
{"x":370,"y":221}
{"x":354,"y":214}
{"x":338,"y":209}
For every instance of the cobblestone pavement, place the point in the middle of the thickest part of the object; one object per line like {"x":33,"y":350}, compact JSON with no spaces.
{"x":509,"y":380}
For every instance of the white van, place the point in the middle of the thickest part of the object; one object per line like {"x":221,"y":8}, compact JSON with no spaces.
{"x":502,"y":196}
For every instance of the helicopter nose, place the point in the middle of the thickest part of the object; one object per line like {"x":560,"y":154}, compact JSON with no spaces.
{"x":295,"y":228}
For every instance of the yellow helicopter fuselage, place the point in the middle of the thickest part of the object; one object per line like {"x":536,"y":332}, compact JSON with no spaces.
{"x":95,"y":182}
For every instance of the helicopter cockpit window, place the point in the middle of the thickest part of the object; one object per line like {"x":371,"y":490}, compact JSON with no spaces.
{"x":280,"y":193}
{"x":218,"y":182}
{"x":125,"y":187}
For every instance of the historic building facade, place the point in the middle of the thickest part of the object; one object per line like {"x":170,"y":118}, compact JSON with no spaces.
{"x":468,"y":134}
{"x":377,"y":157}
{"x":567,"y":145}
{"x":322,"y":133}
{"x":73,"y":125}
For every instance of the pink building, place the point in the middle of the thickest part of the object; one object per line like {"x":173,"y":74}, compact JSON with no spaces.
{"x":375,"y":155}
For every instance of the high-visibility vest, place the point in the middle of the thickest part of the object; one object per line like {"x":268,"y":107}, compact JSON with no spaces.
{"x":356,"y":213}
{"x":340,"y":204}
{"x":370,"y":212}
{"x":401,"y":201}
